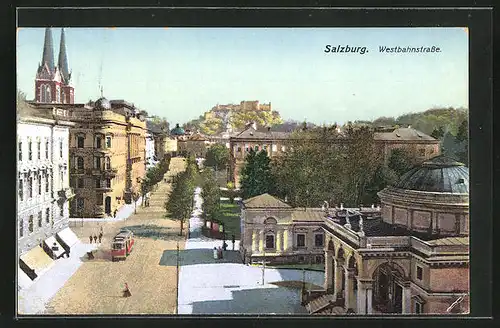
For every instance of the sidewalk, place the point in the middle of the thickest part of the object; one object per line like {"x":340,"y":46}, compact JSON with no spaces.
{"x":226,"y":286}
{"x":33,"y":299}
{"x":122,"y":214}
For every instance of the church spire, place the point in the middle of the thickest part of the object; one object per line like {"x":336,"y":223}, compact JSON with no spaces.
{"x":48,"y":51}
{"x":63,"y":59}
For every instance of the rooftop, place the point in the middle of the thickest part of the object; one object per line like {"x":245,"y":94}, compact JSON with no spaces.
{"x":406,"y":134}
{"x":264,"y":201}
{"x":439,"y":174}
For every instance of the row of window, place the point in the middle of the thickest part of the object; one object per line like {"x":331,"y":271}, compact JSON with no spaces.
{"x":98,"y":162}
{"x":98,"y":141}
{"x":300,"y":240}
{"x":38,"y":151}
{"x":80,"y":183}
{"x":46,"y":95}
{"x":39,"y":178}
{"x":257,"y":148}
{"x":40,"y":218}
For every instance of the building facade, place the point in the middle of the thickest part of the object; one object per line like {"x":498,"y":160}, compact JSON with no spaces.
{"x":251,"y":138}
{"x":419,"y":145}
{"x":413,"y":259}
{"x":273,"y":231}
{"x":43,"y":190}
{"x":53,"y":82}
{"x":107,"y":156}
{"x":195,"y":144}
{"x":150,"y":155}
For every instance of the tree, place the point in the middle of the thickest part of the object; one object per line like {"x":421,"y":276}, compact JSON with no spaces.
{"x":438,"y":133}
{"x":462,"y":139}
{"x":179,"y":202}
{"x":256,"y":177}
{"x":230,"y":189}
{"x":211,"y":194}
{"x":401,"y":161}
{"x":217,"y":157}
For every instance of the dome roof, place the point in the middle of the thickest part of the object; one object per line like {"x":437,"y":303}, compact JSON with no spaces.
{"x":102,"y":104}
{"x":439,"y":174}
{"x":178,"y":131}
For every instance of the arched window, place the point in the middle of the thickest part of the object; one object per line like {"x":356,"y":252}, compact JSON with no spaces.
{"x":63,"y":97}
{"x":48,"y":96}
{"x":108,"y":163}
{"x":79,"y":163}
{"x":58,"y":94}
{"x":30,"y":223}
{"x":270,"y":221}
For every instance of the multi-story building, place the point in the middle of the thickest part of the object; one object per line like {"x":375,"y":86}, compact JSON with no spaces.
{"x":150,"y":154}
{"x":43,"y":190}
{"x":195,"y":145}
{"x":251,"y":138}
{"x":107,"y":156}
{"x":419,"y":145}
{"x":413,"y":259}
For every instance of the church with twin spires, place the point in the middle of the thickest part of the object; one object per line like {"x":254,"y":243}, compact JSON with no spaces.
{"x":53,"y":82}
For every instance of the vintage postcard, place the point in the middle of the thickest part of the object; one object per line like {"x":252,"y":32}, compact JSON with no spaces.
{"x":311,"y":171}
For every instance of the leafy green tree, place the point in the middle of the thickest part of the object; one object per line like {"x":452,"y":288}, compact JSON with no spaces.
{"x":438,"y":133}
{"x":179,"y":203}
{"x":401,"y":161}
{"x":211,"y":194}
{"x":360,"y":161}
{"x":217,"y":157}
{"x":308,"y":171}
{"x":462,"y":139}
{"x":256,"y":177}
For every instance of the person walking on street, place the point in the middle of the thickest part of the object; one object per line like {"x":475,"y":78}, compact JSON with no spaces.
{"x":95,"y":239}
{"x":216,"y":254}
{"x":100,"y":237}
{"x":114,"y":214}
{"x":90,"y":238}
{"x":233,"y":239}
{"x":126,"y":292}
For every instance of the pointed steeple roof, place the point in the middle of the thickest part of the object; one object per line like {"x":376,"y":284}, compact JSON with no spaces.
{"x":63,"y":59}
{"x":48,"y":51}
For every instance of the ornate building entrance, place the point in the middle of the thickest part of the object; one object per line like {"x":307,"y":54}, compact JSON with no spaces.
{"x":388,"y":288}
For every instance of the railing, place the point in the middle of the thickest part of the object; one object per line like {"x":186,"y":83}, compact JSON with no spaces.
{"x":348,"y":233}
{"x":429,"y":249}
{"x":388,"y":241}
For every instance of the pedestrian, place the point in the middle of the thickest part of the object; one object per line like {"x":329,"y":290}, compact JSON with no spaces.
{"x":90,"y":238}
{"x":233,"y":239}
{"x":114,"y":214}
{"x":100,"y":237}
{"x":126,"y":292}
{"x":224,"y":245}
{"x":216,"y":254}
{"x":95,"y":239}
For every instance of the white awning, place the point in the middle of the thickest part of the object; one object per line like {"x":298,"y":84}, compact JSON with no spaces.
{"x":23,"y":280}
{"x":51,"y":242}
{"x":68,"y":237}
{"x":36,"y":259}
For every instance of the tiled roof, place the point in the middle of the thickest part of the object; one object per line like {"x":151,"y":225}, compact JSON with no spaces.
{"x":251,"y":133}
{"x":264,"y":201}
{"x":308,"y":215}
{"x":402,"y":134}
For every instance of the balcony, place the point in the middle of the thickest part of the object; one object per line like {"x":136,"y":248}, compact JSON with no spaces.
{"x":103,"y":171}
{"x":77,"y":171}
{"x":65,"y":194}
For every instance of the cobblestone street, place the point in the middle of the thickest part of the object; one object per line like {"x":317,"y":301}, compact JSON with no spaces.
{"x":96,"y":288}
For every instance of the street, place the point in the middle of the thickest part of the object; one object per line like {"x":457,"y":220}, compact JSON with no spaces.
{"x":97,"y":285}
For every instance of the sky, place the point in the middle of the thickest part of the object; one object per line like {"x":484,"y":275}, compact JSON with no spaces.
{"x":179,"y":73}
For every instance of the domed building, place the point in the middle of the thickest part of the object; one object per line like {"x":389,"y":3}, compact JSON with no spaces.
{"x":432,"y":198}
{"x":177,"y":131}
{"x":102,"y":104}
{"x":412,"y":257}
